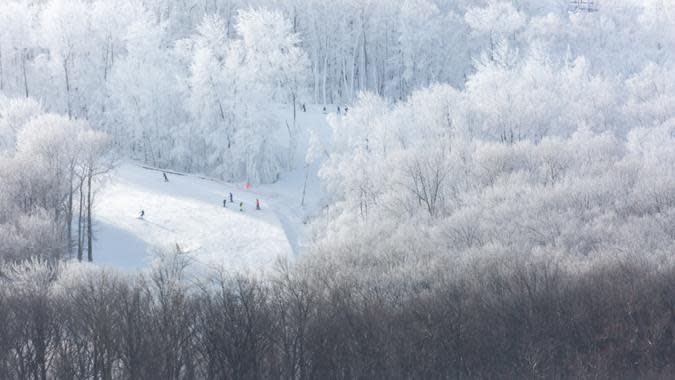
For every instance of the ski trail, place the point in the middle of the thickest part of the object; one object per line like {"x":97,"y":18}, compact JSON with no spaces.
{"x":290,"y":231}
{"x":282,"y":214}
{"x":157,"y":225}
{"x":187,"y":211}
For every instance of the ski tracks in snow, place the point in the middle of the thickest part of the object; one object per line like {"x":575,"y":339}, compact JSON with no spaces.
{"x":188,"y":211}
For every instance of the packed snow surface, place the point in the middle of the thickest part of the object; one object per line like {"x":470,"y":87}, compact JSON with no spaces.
{"x":187,"y":212}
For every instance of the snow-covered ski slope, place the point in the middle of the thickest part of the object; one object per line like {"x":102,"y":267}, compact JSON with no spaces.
{"x":188,"y":211}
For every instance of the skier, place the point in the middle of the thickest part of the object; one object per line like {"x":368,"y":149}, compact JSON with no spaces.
{"x":231,"y":198}
{"x":166,"y":179}
{"x":241,"y":206}
{"x":346,"y":109}
{"x":257,"y":204}
{"x":324,"y":109}
{"x":225,"y":203}
{"x":142,"y":214}
{"x":304,"y":108}
{"x":338,"y":110}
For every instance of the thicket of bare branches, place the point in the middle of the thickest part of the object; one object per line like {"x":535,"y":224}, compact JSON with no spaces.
{"x":494,"y":321}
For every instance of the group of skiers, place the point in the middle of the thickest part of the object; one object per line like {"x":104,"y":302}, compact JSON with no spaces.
{"x":339,"y":110}
{"x":241,"y":204}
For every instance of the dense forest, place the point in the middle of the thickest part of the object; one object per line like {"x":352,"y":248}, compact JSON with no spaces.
{"x":498,"y":201}
{"x":496,"y":320}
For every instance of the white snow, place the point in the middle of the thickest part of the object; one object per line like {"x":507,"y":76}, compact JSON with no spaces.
{"x":188,"y":211}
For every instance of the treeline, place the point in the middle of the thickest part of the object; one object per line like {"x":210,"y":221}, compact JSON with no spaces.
{"x":451,"y":173}
{"x":493,"y":320}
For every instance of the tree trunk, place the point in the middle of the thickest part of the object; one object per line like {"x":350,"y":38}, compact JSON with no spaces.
{"x":69,"y":219}
{"x":90,"y":255}
{"x":364,"y":73}
{"x":2,"y":76}
{"x":80,"y":241}
{"x":68,"y":103}
{"x":304,"y":186}
{"x":325,"y":77}
{"x":292,"y":134}
{"x":23,"y":69}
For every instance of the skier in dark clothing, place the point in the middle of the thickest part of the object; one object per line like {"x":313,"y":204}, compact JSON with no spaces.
{"x":241,"y":206}
{"x":224,"y":202}
{"x":231,"y":198}
{"x":338,"y":110}
{"x":142,"y":214}
{"x":257,"y":204}
{"x":304,"y":108}
{"x":346,"y":109}
{"x":166,"y":179}
{"x":324,"y":109}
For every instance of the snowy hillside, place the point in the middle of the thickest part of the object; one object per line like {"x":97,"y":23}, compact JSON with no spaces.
{"x":188,"y":211}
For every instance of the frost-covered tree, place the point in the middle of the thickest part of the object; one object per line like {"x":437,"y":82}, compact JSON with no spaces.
{"x":212,"y":102}
{"x":140,"y":70}
{"x":146,"y":101}
{"x":17,"y":46}
{"x":532,"y":157}
{"x":496,"y":21}
{"x":46,"y":173}
{"x":65,"y":30}
{"x":233,"y":84}
{"x":496,"y":93}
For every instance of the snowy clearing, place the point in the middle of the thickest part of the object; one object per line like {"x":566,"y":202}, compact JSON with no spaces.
{"x":186,"y":211}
